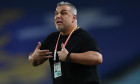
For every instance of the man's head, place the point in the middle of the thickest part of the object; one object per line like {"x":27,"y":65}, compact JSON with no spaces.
{"x":65,"y":15}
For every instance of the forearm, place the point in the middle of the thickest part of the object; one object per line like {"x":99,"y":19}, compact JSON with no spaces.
{"x":86,"y":58}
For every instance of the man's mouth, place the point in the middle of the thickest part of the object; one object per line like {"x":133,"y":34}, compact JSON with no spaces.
{"x":59,"y":22}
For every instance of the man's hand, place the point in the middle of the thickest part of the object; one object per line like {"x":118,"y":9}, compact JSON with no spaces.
{"x":63,"y":53}
{"x":39,"y":55}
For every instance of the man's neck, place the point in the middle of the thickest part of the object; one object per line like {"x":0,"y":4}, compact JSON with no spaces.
{"x":67,"y":30}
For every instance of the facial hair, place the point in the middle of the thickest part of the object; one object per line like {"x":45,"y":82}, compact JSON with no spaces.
{"x":59,"y":28}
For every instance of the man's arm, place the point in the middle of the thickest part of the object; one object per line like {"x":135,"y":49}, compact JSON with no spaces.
{"x":86,"y":58}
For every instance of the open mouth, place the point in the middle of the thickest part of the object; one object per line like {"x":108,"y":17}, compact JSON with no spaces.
{"x":59,"y":22}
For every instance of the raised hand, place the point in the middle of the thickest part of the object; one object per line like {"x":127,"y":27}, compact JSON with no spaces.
{"x":63,"y":53}
{"x":39,"y":55}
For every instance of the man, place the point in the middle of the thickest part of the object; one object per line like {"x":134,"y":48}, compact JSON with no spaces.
{"x":73,"y":53}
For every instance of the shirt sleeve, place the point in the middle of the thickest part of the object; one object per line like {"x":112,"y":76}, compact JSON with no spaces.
{"x":90,"y":44}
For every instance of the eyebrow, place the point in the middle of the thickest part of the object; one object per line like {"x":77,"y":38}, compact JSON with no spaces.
{"x":61,"y":10}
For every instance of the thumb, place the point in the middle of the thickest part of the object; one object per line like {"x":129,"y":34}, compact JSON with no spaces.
{"x":38,"y":46}
{"x":62,"y":46}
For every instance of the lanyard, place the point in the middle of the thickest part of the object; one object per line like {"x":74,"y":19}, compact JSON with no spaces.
{"x":64,"y":44}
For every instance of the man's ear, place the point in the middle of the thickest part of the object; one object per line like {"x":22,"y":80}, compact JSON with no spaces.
{"x":74,"y":18}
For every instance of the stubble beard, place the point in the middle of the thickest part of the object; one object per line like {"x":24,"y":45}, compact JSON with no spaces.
{"x":59,"y":28}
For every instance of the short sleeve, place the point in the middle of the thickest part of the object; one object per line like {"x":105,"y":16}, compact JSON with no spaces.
{"x":89,"y":44}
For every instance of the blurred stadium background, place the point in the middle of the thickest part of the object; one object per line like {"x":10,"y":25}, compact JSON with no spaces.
{"x":114,"y":23}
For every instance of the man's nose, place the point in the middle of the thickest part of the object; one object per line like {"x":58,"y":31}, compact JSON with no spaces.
{"x":58,"y":15}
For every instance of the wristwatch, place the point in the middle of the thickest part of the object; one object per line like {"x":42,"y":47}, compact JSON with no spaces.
{"x":68,"y":58}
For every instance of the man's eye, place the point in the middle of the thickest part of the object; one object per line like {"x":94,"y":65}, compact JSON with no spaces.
{"x":63,"y":13}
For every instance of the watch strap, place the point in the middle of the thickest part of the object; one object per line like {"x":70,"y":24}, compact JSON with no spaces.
{"x":68,"y":59}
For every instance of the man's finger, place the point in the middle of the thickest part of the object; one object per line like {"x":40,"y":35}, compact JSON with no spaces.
{"x":58,"y":52}
{"x":49,"y":56}
{"x":45,"y":53}
{"x":38,"y":46}
{"x":62,"y":46}
{"x":41,"y":51}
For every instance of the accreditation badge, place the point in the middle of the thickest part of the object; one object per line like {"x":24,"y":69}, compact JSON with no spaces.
{"x":57,"y":70}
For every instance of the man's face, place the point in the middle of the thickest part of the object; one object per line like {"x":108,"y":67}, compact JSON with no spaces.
{"x":63,"y":17}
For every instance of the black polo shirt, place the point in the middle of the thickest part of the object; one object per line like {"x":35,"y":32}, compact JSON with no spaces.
{"x":74,"y":73}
